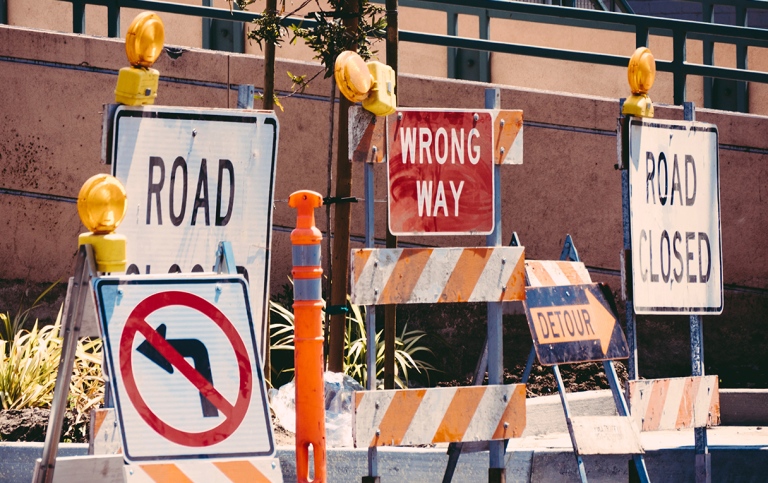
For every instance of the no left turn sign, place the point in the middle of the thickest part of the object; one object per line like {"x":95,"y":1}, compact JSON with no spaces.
{"x":184,"y":367}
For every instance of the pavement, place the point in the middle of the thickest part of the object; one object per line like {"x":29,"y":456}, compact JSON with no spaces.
{"x":543,"y":454}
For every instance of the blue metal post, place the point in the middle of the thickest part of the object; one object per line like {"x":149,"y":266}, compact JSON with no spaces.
{"x":703,"y":458}
{"x":495,"y":328}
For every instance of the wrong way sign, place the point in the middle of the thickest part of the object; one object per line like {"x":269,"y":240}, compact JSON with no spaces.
{"x":440,"y":173}
{"x":184,"y":369}
{"x":675,"y":217}
{"x":194,"y":178}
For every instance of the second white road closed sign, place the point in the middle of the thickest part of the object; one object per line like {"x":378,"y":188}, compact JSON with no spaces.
{"x":675,"y":217}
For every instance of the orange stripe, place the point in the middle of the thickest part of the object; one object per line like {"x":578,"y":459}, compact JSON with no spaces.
{"x":465,"y":274}
{"x":398,"y":417}
{"x":570,"y":273}
{"x":516,"y":284}
{"x":361,"y":258}
{"x":541,"y":273}
{"x":241,"y":472}
{"x":655,"y":405}
{"x":98,"y":419}
{"x":358,"y":398}
{"x":514,"y":416}
{"x":166,"y":473}
{"x":686,"y":410}
{"x":405,"y":275}
{"x":513,"y":122}
{"x":459,"y":414}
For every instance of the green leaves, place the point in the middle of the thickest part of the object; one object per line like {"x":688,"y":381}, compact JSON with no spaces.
{"x":408,"y":347}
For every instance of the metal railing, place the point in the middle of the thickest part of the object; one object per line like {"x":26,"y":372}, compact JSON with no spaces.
{"x":642,"y":26}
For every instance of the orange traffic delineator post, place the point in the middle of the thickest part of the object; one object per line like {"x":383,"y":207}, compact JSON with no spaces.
{"x":308,"y":337}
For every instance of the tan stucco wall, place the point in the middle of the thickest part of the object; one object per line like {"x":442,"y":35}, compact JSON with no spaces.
{"x":514,"y":70}
{"x":50,"y":143}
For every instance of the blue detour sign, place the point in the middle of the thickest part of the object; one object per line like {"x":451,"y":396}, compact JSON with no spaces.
{"x":574,"y":323}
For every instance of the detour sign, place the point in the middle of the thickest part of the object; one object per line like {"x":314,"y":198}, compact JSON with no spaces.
{"x":574,"y":323}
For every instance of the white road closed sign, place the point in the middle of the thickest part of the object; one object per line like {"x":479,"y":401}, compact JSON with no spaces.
{"x":184,"y":368}
{"x":675,"y":217}
{"x":194,"y":178}
{"x":440,"y":171}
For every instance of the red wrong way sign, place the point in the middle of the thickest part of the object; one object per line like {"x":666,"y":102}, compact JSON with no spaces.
{"x":184,"y":367}
{"x":440,"y":173}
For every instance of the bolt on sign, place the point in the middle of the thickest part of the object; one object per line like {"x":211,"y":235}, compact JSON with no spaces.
{"x":440,"y":173}
{"x":574,"y":323}
{"x":194,"y":178}
{"x":675,"y":217}
{"x":183,"y":366}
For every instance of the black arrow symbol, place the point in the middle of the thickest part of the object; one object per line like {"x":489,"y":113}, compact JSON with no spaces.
{"x":191,"y":348}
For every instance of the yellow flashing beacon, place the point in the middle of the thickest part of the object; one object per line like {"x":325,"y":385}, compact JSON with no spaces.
{"x":101,"y":204}
{"x":371,"y":83}
{"x":137,"y":84}
{"x":641,"y":74}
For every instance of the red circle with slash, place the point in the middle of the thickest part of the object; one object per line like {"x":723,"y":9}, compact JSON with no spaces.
{"x":137,"y":324}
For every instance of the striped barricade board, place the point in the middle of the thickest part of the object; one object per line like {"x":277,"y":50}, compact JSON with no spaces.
{"x":675,"y":403}
{"x":436,"y":275}
{"x":438,"y":415}
{"x":594,"y":435}
{"x":252,"y":470}
{"x":550,"y":273}
{"x":105,"y":433}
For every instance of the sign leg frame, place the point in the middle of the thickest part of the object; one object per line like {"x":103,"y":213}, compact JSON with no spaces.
{"x":85,"y":268}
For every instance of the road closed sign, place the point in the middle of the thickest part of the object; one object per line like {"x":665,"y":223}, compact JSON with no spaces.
{"x":675,"y":217}
{"x":440,"y":173}
{"x":194,"y":178}
{"x":184,"y":369}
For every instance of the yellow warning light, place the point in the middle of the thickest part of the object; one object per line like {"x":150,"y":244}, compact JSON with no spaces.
{"x":352,"y":76}
{"x":371,"y":83}
{"x":137,"y":85}
{"x":102,"y":204}
{"x":144,"y":40}
{"x":641,"y":74}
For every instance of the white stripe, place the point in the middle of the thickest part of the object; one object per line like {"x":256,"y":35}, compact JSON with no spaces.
{"x":368,"y":417}
{"x":488,"y":413}
{"x":496,"y":273}
{"x":134,"y":474}
{"x":515,"y":154}
{"x":672,"y":402}
{"x":703,"y":401}
{"x":639,"y":397}
{"x":428,"y":416}
{"x":435,"y":275}
{"x":581,"y":271}
{"x":374,"y":276}
{"x":554,"y":271}
{"x":531,"y":278}
{"x":202,"y":471}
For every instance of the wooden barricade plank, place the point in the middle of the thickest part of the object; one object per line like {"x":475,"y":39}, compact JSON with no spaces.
{"x":88,"y":469}
{"x":105,"y":433}
{"x":436,"y":275}
{"x":251,"y":470}
{"x":550,"y":273}
{"x":595,"y":435}
{"x":438,"y":415}
{"x":675,"y":403}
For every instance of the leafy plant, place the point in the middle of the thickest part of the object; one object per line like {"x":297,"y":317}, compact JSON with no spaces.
{"x":407,"y":351}
{"x":29,"y":363}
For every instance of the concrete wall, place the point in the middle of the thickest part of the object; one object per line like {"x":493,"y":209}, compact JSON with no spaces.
{"x":50,"y":131}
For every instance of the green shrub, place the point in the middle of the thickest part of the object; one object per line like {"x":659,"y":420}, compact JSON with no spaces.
{"x":407,"y":351}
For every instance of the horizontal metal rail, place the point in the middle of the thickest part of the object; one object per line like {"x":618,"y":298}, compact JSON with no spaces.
{"x":679,"y":30}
